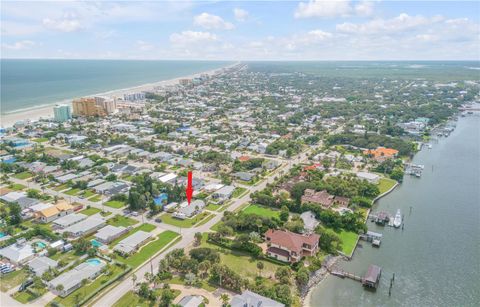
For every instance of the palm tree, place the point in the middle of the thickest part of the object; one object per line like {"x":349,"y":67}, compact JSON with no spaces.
{"x":59,"y":288}
{"x":225,"y":298}
{"x":134,"y":279}
{"x":260,"y":267}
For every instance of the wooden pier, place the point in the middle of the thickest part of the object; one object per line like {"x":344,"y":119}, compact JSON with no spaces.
{"x":370,"y":280}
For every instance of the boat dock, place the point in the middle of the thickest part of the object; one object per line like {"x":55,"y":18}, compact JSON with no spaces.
{"x":370,"y":280}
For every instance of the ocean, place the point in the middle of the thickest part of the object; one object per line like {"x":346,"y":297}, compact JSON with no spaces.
{"x":27,"y":84}
{"x":436,"y":257}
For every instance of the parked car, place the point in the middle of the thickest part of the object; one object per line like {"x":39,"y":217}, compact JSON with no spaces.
{"x":25,"y":285}
{"x":158,"y":220}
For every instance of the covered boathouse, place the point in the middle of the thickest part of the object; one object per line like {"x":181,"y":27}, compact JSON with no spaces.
{"x":372,"y":278}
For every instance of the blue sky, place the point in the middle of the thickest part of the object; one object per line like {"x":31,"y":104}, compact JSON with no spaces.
{"x":242,"y":30}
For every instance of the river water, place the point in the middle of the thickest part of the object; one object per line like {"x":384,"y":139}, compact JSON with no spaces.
{"x":436,"y":258}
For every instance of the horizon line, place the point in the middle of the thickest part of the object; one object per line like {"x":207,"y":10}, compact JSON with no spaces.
{"x":249,"y":60}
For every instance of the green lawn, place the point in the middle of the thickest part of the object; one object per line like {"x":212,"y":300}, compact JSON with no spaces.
{"x":23,"y":175}
{"x":241,"y":262}
{"x":68,"y":257}
{"x":150,"y":249}
{"x":215,"y":227}
{"x":13,"y":279}
{"x":113,"y":272}
{"x":145,"y":227}
{"x":213,"y":207}
{"x":29,"y":295}
{"x":187,"y":223}
{"x":349,"y":240}
{"x":95,"y":198}
{"x":177,"y":280}
{"x":238,"y":191}
{"x":120,"y":220}
{"x":263,"y":211}
{"x":16,"y":186}
{"x":72,"y":192}
{"x":61,"y":187}
{"x":88,"y":193}
{"x":90,"y":211}
{"x":385,"y":184}
{"x":132,"y":299}
{"x":41,"y":140}
{"x":115,"y":204}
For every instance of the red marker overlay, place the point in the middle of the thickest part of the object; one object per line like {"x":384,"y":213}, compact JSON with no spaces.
{"x":189,"y":189}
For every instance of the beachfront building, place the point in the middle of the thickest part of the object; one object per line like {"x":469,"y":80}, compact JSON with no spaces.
{"x":87,"y":107}
{"x":72,"y":279}
{"x":108,"y":104}
{"x":290,"y":247}
{"x":62,"y":113}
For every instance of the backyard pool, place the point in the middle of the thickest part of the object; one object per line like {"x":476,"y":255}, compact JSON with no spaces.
{"x":95,"y":243}
{"x":93,"y":261}
{"x":2,"y":235}
{"x":41,"y":245}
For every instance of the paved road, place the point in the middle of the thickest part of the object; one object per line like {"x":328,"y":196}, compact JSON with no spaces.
{"x":110,"y":297}
{"x":187,"y":234}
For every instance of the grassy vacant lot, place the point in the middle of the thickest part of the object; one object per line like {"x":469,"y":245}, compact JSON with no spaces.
{"x":23,"y":175}
{"x":263,"y":211}
{"x":177,"y":280}
{"x":115,"y":204}
{"x":61,"y":187}
{"x":150,"y":249}
{"x":88,"y":193}
{"x":41,"y":140}
{"x":67,"y":257}
{"x":120,"y":220}
{"x":240,"y":262}
{"x":213,"y":207}
{"x":145,"y":227}
{"x":113,"y":272}
{"x":96,"y":198}
{"x":13,"y":279}
{"x":186,"y":223}
{"x":16,"y":186}
{"x":132,"y":299}
{"x":385,"y":184}
{"x":29,"y":295}
{"x":349,"y":239}
{"x":72,"y":192}
{"x":238,"y":191}
{"x":90,"y":211}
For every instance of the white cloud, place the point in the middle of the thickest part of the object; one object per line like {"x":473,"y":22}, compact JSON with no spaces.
{"x":364,"y":8}
{"x":68,"y":23}
{"x":209,"y":21}
{"x":400,"y":23}
{"x":20,"y":45}
{"x":189,"y":37}
{"x":144,"y":46}
{"x":322,"y":8}
{"x":240,"y":14}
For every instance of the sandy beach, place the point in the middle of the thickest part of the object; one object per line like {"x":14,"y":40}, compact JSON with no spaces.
{"x":45,"y":112}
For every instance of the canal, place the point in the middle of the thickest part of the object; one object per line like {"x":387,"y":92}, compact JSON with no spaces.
{"x":436,"y":258}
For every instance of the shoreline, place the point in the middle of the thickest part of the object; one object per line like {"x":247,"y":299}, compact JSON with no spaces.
{"x":323,"y":275}
{"x":45,"y":111}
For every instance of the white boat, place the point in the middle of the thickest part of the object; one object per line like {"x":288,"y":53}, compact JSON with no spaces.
{"x":397,"y":221}
{"x":429,"y":146}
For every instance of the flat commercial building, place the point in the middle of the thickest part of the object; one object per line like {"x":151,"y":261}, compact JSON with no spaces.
{"x":109,"y":233}
{"x":86,"y":226}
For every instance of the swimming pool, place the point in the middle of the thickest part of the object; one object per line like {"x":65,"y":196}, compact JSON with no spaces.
{"x":93,"y":261}
{"x":41,"y":245}
{"x":95,"y":243}
{"x":2,"y":235}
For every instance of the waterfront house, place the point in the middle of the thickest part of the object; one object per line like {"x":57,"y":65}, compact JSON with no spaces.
{"x":252,"y":299}
{"x":289,"y":246}
{"x":372,"y":178}
{"x":321,"y":198}
{"x":381,"y":153}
